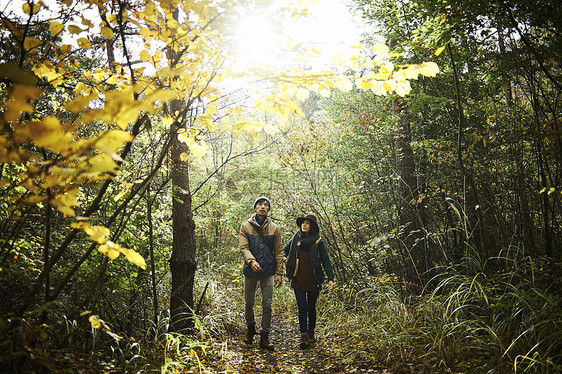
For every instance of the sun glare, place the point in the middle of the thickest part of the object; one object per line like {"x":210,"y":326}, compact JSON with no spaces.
{"x":264,"y":39}
{"x":257,"y":42}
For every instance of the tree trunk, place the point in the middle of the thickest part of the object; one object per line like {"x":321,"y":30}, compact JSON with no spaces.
{"x":407,"y":193}
{"x":182,"y":261}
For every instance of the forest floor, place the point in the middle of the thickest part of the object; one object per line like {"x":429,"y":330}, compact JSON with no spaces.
{"x":325,"y":356}
{"x":237,"y":357}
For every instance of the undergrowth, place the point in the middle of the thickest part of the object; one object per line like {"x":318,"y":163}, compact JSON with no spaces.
{"x":473,"y":318}
{"x":469,"y":322}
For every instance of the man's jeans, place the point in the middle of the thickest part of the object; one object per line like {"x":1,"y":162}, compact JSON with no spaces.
{"x":266,"y":287}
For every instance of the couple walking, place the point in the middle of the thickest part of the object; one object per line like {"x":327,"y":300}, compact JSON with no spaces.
{"x":306,"y":259}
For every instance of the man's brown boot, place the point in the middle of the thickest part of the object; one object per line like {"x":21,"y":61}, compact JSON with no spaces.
{"x":250,"y":332}
{"x":264,"y":341}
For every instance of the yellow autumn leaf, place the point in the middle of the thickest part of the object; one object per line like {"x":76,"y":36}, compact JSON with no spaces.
{"x":98,"y":234}
{"x":100,"y":75}
{"x":429,"y":69}
{"x":48,"y":71}
{"x":107,"y":32}
{"x":389,"y":85}
{"x":364,"y":84}
{"x":73,"y":29}
{"x":80,"y":225}
{"x":31,"y":42}
{"x":403,"y":88}
{"x":145,"y":32}
{"x":44,"y":133}
{"x":134,"y":257}
{"x":289,"y":90}
{"x":172,"y":24}
{"x":378,"y":88}
{"x":64,"y":202}
{"x":65,"y":49}
{"x":387,"y":68}
{"x":81,"y":88}
{"x":439,"y":50}
{"x":55,"y":28}
{"x":411,"y":72}
{"x":95,"y":322}
{"x":324,"y":91}
{"x":145,"y":56}
{"x":380,"y":49}
{"x":28,"y":10}
{"x":113,"y":140}
{"x":33,"y":199}
{"x":84,"y":43}
{"x":108,"y":250}
{"x":102,"y":163}
{"x":112,"y":18}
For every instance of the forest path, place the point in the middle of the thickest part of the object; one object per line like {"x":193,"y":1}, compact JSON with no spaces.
{"x":323,"y":357}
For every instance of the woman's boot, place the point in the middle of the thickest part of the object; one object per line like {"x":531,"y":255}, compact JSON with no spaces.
{"x":250,"y":332}
{"x":305,"y":341}
{"x":311,"y":336}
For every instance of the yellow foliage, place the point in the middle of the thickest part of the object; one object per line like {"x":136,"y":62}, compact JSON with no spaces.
{"x":19,"y":103}
{"x":134,"y":257}
{"x":27,"y":9}
{"x":107,"y":32}
{"x":65,"y":49}
{"x":380,"y":49}
{"x":94,"y":321}
{"x":429,"y":69}
{"x":66,"y":201}
{"x":46,"y":70}
{"x":112,"y":140}
{"x":55,"y":28}
{"x":100,"y":235}
{"x":102,"y":163}
{"x":439,"y":51}
{"x":84,"y":43}
{"x":73,"y":29}
{"x":31,"y":42}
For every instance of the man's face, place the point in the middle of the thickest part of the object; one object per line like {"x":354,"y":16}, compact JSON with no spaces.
{"x":262,"y":208}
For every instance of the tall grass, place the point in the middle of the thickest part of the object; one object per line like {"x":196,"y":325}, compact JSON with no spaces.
{"x":471,"y":321}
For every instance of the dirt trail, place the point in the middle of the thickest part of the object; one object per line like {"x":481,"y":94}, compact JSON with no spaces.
{"x":322,"y":357}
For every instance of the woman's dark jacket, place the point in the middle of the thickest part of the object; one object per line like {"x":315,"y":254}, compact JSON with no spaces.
{"x":319,"y":259}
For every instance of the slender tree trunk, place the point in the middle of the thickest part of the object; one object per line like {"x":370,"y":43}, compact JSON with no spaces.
{"x":152,"y":263}
{"x":182,"y":261}
{"x":417,"y":262}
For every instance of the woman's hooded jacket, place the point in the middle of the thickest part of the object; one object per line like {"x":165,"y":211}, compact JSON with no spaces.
{"x":319,"y":257}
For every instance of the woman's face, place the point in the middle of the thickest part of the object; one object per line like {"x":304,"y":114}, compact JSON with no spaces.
{"x":305,"y":226}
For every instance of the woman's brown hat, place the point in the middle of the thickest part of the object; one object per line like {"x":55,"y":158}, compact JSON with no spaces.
{"x":312,"y":220}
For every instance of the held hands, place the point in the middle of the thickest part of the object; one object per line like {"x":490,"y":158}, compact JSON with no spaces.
{"x":331,"y":284}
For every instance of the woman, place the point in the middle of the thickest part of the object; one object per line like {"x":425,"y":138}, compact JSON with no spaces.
{"x":306,"y":260}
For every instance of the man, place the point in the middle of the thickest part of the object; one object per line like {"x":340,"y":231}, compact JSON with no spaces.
{"x":260,"y":245}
